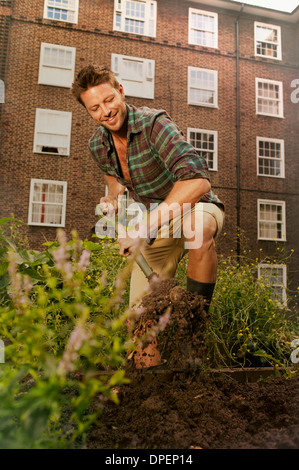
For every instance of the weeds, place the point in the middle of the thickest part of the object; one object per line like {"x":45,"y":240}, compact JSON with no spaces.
{"x":251,"y":326}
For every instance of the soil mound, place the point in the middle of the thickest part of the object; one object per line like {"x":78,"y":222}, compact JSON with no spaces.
{"x":181,"y":318}
{"x":183,"y":407}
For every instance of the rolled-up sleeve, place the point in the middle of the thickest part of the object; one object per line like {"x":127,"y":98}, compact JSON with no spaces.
{"x":182,"y":160}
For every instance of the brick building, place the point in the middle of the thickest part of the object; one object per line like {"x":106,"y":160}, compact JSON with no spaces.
{"x":227,"y":73}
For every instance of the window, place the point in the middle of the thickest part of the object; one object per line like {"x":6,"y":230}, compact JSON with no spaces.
{"x":271,"y":220}
{"x":52,"y":132}
{"x":61,"y":10}
{"x":56,"y":65}
{"x":267,"y":40}
{"x":205,"y":143}
{"x":136,"y":75}
{"x":202,"y":87}
{"x":203,"y":28}
{"x":47,"y":203}
{"x":135,"y":16}
{"x":270,"y":157}
{"x":269,"y":97}
{"x":276,"y":276}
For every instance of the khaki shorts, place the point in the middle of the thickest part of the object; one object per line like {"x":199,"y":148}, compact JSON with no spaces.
{"x":166,"y":252}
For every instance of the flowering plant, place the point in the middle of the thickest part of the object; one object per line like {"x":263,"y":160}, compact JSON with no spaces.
{"x":63,"y":336}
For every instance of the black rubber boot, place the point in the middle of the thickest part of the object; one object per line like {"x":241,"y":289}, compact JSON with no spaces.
{"x":205,"y":289}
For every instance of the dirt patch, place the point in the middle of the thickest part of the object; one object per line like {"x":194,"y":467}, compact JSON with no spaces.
{"x":182,"y":407}
{"x":201,"y":412}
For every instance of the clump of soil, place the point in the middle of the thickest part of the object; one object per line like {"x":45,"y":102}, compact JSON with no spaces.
{"x":184,"y":407}
{"x":181,"y":341}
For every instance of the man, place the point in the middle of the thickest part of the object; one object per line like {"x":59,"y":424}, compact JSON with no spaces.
{"x":143,"y":150}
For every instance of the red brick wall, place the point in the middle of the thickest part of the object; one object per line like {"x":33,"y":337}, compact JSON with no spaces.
{"x":95,"y":41}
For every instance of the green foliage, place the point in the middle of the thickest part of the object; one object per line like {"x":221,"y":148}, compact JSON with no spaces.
{"x":62,"y":317}
{"x":61,"y":326}
{"x":250,"y":325}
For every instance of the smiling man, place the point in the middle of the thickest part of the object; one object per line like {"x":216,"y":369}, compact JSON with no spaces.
{"x":142,"y":150}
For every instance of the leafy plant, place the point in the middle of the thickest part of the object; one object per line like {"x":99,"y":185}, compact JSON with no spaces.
{"x":250,"y":326}
{"x":61,"y":332}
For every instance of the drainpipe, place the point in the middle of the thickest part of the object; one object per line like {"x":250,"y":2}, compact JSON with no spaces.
{"x":238,"y":132}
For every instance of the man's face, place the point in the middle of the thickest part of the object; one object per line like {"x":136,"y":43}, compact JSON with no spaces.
{"x":106,"y":106}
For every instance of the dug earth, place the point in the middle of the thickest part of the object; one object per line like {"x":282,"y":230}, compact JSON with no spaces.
{"x":184,"y":406}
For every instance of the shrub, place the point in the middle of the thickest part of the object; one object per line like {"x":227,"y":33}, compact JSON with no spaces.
{"x":64,"y":336}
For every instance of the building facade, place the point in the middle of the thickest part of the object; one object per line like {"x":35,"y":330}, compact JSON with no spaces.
{"x":227,"y":73}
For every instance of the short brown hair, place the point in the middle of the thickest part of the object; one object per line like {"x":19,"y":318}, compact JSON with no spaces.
{"x":91,"y":76}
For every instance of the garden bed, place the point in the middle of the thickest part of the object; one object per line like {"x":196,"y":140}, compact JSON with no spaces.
{"x":205,"y":410}
{"x":184,"y":405}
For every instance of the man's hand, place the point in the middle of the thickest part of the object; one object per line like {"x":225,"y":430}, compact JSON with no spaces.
{"x":128,"y":245}
{"x":109,"y":205}
{"x":131,"y":240}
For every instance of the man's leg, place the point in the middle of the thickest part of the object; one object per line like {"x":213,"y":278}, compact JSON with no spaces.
{"x":202,"y":265}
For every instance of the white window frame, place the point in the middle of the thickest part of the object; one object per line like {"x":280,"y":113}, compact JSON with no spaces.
{"x":262,"y":267}
{"x":213,"y":90}
{"x":54,"y":137}
{"x":215,"y":141}
{"x":62,"y":204}
{"x":55,"y":74}
{"x":280,"y":99}
{"x":142,"y":86}
{"x":214,"y":32}
{"x":72,"y":10}
{"x":150,"y":17}
{"x":257,"y":25}
{"x":281,"y":159}
{"x":269,"y":221}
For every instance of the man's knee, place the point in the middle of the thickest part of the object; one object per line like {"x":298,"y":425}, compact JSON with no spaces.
{"x":199,"y":231}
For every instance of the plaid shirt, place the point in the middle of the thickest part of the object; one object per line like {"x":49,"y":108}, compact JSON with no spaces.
{"x":157,"y":156}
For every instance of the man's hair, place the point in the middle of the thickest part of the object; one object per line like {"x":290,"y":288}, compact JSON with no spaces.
{"x":91,"y":76}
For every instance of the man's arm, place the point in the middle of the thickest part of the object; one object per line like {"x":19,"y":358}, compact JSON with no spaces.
{"x":115,"y":189}
{"x":187,"y":191}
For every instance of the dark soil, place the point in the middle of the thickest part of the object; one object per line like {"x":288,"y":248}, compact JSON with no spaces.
{"x":181,"y":406}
